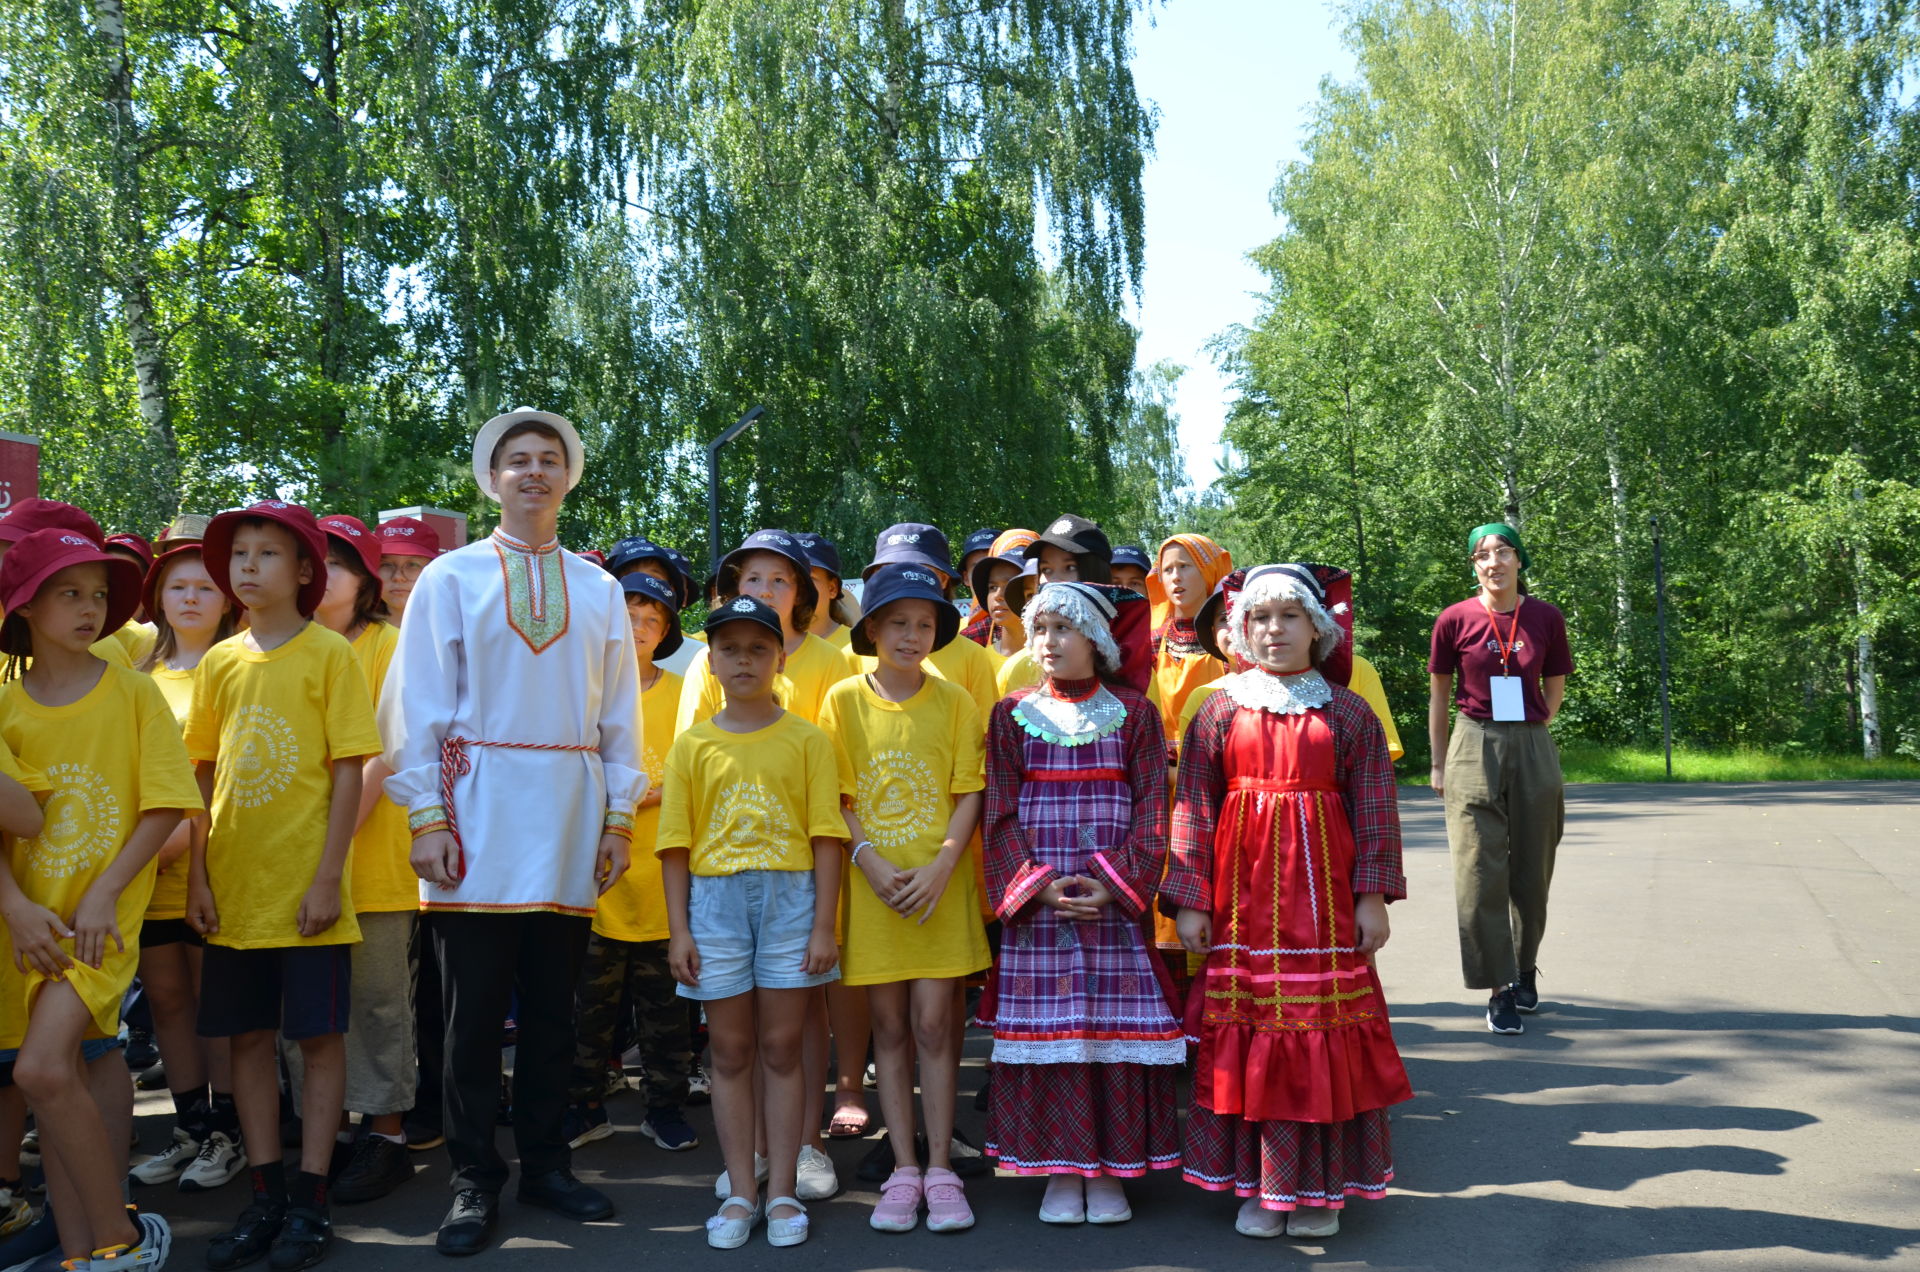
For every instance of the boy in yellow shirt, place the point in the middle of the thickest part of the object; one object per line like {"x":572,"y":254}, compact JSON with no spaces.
{"x":73,"y":894}
{"x":749,"y":841}
{"x":627,"y":954}
{"x":280,"y":725}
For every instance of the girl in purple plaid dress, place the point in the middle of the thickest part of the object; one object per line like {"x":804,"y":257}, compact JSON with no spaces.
{"x":1286,"y":849}
{"x":1086,"y":1045}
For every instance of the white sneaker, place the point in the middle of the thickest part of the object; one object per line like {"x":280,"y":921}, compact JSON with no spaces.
{"x":217,"y":1162}
{"x":723,"y":1186}
{"x":15,"y":1212}
{"x":1304,"y":1225}
{"x":165,"y":1167}
{"x":156,"y":1242}
{"x":30,"y":1147}
{"x":815,"y":1179}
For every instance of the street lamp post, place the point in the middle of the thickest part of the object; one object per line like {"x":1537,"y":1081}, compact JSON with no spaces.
{"x":738,"y":427}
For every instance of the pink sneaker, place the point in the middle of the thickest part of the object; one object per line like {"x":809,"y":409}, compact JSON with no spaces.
{"x":899,"y":1208}
{"x":947,"y":1209}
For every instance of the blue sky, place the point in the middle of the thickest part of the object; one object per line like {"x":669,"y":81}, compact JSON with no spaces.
{"x":1232,"y":81}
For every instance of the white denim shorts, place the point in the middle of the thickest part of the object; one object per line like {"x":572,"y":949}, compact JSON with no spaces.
{"x":751,"y":930}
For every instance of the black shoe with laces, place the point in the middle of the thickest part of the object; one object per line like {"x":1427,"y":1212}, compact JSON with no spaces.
{"x":1526,"y":993}
{"x":250,"y":1237}
{"x":468,"y":1227}
{"x":303,"y":1240}
{"x":377,"y":1168}
{"x":1503,"y":1017}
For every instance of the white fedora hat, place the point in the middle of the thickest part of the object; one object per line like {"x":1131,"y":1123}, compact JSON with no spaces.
{"x":489,"y":436}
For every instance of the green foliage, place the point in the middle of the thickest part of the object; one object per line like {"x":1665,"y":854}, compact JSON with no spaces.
{"x":1580,"y":263}
{"x":305,"y":247}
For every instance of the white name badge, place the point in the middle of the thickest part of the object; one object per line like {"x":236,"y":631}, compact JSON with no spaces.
{"x":1509,"y":699}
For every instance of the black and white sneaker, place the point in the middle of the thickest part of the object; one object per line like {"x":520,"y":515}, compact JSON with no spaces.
{"x":1526,"y":993}
{"x":214,"y":1166}
{"x":1503,"y":1017}
{"x":165,"y":1167}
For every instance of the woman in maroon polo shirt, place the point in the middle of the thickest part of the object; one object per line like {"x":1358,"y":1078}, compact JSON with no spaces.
{"x":1502,"y":657}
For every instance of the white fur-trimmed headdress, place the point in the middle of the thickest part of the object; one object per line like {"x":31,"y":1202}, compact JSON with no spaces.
{"x":1274,"y":582}
{"x":1090,"y":612}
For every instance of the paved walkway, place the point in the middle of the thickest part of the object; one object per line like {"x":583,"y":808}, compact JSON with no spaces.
{"x":1725,"y":1073}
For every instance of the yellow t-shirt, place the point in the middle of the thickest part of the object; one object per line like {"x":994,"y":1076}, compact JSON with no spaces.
{"x":13,"y":1017}
{"x":138,"y":638}
{"x":1020,"y":670}
{"x":383,"y":878}
{"x":840,"y":637}
{"x":169,"y":899}
{"x":635,"y":908}
{"x":107,"y":759}
{"x":902,"y":763}
{"x":273,"y":723}
{"x":750,"y":801}
{"x":1365,"y":681}
{"x":812,"y":669}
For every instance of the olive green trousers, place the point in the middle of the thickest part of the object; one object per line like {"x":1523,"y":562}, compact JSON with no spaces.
{"x":1506,"y":808}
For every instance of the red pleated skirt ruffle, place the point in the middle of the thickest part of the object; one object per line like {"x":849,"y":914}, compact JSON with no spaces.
{"x":1289,"y":1164}
{"x":1084,"y":1119}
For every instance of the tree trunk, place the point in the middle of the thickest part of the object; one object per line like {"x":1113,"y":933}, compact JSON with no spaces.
{"x":131,"y":273}
{"x":335,"y":479}
{"x":1622,"y":598}
{"x":1869,"y":677}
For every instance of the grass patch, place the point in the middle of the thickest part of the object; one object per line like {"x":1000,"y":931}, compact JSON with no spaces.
{"x":1591,"y":762}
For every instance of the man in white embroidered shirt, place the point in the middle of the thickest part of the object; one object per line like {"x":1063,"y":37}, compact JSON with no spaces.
{"x":511,"y":719}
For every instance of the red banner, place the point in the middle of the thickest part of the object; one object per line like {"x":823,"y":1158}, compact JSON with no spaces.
{"x":19,"y":468}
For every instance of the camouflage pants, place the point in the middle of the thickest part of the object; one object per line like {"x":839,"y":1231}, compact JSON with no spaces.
{"x":621,"y":977}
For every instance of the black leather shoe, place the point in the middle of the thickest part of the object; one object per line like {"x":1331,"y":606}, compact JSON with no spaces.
{"x":250,"y":1237}
{"x":560,"y":1192}
{"x":303,"y":1240}
{"x":468,"y":1227}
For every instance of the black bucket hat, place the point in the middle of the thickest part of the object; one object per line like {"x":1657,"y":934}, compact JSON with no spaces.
{"x":1134,"y":555}
{"x":649,"y":588}
{"x":980,"y":540}
{"x":1085,"y":540}
{"x":911,"y":543}
{"x":823,"y":552}
{"x":890,"y":583}
{"x":780,"y":543}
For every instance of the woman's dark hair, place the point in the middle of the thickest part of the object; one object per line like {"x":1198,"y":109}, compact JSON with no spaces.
{"x":166,"y":642}
{"x":368,"y":607}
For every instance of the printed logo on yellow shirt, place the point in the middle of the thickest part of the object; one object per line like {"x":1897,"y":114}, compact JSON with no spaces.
{"x":750,"y":826}
{"x":80,"y":814}
{"x":262,"y":757}
{"x":896,"y":799}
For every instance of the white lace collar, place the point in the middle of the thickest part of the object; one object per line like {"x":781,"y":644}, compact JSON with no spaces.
{"x":1260,"y":690}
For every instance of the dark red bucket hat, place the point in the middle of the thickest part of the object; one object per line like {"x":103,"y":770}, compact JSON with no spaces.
{"x":217,"y":548}
{"x":44,"y":553}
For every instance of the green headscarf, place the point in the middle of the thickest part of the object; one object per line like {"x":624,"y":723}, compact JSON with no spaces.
{"x":1506,"y":532}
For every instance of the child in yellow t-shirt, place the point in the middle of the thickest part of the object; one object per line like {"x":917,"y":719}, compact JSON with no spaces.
{"x":771,"y":567}
{"x":73,"y":895}
{"x":382,"y":1062}
{"x":280,"y":725}
{"x":912,"y":759}
{"x":626,"y":959}
{"x":190,"y":617}
{"x":749,"y":847}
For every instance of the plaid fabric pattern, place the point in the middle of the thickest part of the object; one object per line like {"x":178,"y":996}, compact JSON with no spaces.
{"x":629,"y":982}
{"x":1288,"y":1164}
{"x":1362,"y":770}
{"x":1072,"y":991}
{"x":1083,"y":1119}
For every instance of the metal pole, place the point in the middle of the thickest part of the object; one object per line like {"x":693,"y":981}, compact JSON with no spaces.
{"x":1660,"y":608}
{"x":738,"y":427}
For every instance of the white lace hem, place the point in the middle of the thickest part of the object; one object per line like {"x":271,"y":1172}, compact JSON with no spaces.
{"x":1091,"y":1051}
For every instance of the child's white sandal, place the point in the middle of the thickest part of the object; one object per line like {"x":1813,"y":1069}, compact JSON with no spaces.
{"x":725,"y":1232}
{"x":790,"y":1231}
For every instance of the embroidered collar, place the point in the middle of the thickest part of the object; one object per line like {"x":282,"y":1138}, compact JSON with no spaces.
{"x":1065,"y":722}
{"x":1261,"y":690}
{"x":1182,"y":639}
{"x":502,"y":538}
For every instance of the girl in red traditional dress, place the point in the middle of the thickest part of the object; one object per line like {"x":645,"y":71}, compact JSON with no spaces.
{"x":1286,"y":850}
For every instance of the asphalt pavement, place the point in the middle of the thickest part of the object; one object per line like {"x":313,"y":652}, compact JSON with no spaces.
{"x":1724,"y":1073}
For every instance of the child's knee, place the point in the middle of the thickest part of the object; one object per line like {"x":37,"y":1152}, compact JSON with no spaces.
{"x":933,"y":1031}
{"x":780,"y":1051}
{"x":730,"y":1057}
{"x":45,"y":1074}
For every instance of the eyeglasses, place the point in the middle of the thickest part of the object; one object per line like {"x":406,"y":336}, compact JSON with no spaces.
{"x":1488,"y":556}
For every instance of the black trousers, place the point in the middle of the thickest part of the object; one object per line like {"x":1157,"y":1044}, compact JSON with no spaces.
{"x":429,"y":1031}
{"x":486,"y":960}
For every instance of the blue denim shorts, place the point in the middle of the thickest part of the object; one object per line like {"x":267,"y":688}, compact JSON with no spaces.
{"x":751,"y":930}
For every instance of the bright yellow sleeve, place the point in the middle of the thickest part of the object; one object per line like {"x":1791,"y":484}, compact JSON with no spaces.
{"x":1365,"y":681}
{"x":202,"y":730}
{"x":351,"y":733}
{"x":823,"y":776}
{"x":676,"y":801}
{"x":166,"y":774}
{"x":833,"y":727}
{"x":969,"y":748}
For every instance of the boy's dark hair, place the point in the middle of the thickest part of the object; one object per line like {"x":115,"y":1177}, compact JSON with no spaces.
{"x":539,"y":428}
{"x":369,"y":604}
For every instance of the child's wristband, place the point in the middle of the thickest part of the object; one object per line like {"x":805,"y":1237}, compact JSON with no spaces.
{"x":620,"y":824}
{"x":859,"y":848}
{"x":427,"y":820}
